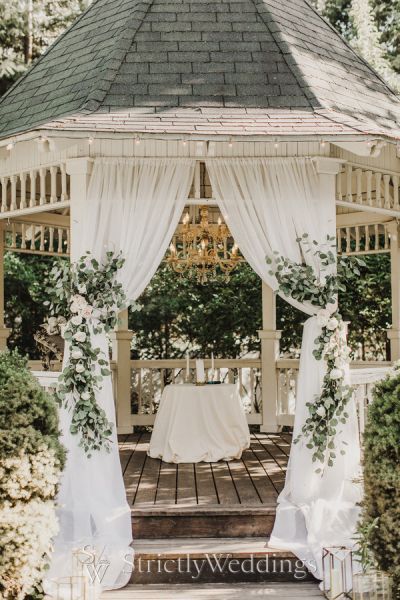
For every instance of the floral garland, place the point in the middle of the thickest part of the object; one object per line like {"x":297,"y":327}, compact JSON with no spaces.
{"x":91,"y":296}
{"x":301,"y":283}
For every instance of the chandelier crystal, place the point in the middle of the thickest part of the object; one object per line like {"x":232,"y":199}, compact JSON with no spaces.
{"x":203,"y":249}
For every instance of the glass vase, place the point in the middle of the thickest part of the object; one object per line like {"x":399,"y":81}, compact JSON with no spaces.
{"x":364,"y":586}
{"x":383,"y":586}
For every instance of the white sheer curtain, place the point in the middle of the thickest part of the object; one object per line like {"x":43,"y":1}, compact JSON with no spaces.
{"x":268,"y":204}
{"x":134,"y":207}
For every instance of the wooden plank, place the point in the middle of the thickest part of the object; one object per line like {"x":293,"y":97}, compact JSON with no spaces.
{"x":273,"y":471}
{"x":243,"y":483}
{"x":166,"y":489}
{"x":186,"y":487}
{"x":206,"y":493}
{"x":127,"y":445}
{"x":237,"y":591}
{"x":280,"y":441}
{"x":278,"y":455}
{"x":133,"y":471}
{"x":260,"y":479}
{"x":226,"y":491}
{"x":147,"y":489}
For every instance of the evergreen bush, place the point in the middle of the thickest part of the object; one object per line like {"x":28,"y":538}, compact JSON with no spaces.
{"x":381,"y":509}
{"x":31,"y":458}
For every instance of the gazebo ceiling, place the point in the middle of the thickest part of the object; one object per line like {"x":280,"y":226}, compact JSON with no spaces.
{"x":229,"y":67}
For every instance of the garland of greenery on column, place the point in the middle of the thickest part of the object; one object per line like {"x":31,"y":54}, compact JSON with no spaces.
{"x":31,"y":460}
{"x":300,"y":282}
{"x":90,"y":296}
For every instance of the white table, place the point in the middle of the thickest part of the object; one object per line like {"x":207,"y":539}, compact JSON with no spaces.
{"x":199,"y":424}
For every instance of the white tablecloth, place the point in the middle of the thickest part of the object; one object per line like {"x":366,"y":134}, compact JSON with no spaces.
{"x":199,"y":423}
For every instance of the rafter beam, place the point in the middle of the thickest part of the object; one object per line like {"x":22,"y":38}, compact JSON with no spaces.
{"x":50,"y":219}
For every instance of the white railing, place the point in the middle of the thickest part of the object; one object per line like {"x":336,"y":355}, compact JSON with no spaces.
{"x":34,"y":191}
{"x":149,"y":378}
{"x":37,"y":239}
{"x":363,"y":376}
{"x":370,"y":188}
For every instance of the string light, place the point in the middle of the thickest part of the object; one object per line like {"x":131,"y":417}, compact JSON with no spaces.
{"x":230,"y":143}
{"x":184,"y":142}
{"x":323,"y":144}
{"x":137,"y":141}
{"x":90,"y":140}
{"x":10,"y":146}
{"x":276,"y":145}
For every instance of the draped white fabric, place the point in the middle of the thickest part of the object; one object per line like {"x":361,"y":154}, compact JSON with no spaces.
{"x":132,"y":207}
{"x":268,"y":203}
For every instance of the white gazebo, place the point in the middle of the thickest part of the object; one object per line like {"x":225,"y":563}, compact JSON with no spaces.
{"x":204,"y":83}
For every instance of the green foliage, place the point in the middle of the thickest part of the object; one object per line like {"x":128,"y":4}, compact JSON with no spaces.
{"x":89,"y":295}
{"x":28,"y":415}
{"x":381,"y":508}
{"x":21,"y":42}
{"x":24,"y":298}
{"x":175,"y":314}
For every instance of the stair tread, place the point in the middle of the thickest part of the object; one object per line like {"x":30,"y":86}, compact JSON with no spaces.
{"x":151,"y":509}
{"x":196,"y":547}
{"x":216,"y":591}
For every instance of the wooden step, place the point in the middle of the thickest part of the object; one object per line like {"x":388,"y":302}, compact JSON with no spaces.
{"x":218,"y":591}
{"x":212,"y":521}
{"x":205,"y":560}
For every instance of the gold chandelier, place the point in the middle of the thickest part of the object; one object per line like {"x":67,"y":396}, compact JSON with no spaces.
{"x":202,"y":249}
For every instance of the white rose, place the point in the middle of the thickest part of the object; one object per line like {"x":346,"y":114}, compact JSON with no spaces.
{"x":77,"y":320}
{"x":82,"y":289}
{"x":332,"y":324}
{"x":85,"y":396}
{"x":336,"y":374}
{"x":87,"y":312}
{"x":323,"y":317}
{"x":76,"y":354}
{"x":321,"y":412}
{"x":79,"y":368}
{"x":74,"y":307}
{"x":340,"y":363}
{"x":79,"y":336}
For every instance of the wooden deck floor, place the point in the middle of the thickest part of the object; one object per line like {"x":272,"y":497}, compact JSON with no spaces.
{"x":254,"y":481}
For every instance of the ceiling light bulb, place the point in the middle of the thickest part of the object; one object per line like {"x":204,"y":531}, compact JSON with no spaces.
{"x":10,"y":146}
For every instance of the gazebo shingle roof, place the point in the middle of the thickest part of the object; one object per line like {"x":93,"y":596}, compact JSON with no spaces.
{"x":234,"y":67}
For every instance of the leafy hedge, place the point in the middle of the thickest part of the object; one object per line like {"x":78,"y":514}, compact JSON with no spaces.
{"x":31,"y":458}
{"x":381,"y":516}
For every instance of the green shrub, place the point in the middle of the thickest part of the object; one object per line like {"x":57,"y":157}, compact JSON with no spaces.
{"x":381,"y":509}
{"x":31,"y":458}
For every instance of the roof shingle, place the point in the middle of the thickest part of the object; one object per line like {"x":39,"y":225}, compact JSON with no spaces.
{"x":170,"y":56}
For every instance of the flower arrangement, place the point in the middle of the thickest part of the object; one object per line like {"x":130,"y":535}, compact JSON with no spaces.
{"x":90,"y":296}
{"x":300,"y":282}
{"x":31,"y":460}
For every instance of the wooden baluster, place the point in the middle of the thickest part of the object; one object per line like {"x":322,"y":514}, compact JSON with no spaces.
{"x":348,"y":240}
{"x":339,"y":186}
{"x":386,"y":191}
{"x":68,"y":249}
{"x":13,"y":203}
{"x":349,"y":183}
{"x":359,"y":185}
{"x":357,"y":238}
{"x":139,"y":388}
{"x":64,"y":195}
{"x":13,"y":235}
{"x":60,"y":240}
{"x":51,"y":239}
{"x":338,"y":240}
{"x":367,"y":239}
{"x":4,"y":185}
{"x":395,"y":181}
{"x":23,"y":236}
{"x":252,"y":389}
{"x":53,"y":184}
{"x":42,"y":180}
{"x":41,"y":247}
{"x":369,"y":188}
{"x":376,"y":227}
{"x":378,"y":193}
{"x":386,"y":238}
{"x":32,"y":177}
{"x":22,"y":178}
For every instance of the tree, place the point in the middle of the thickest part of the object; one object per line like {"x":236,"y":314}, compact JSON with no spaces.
{"x":27,"y":28}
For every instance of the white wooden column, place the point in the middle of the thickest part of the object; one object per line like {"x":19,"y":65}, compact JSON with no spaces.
{"x":328,"y":169}
{"x":269,"y":337}
{"x":121,"y":354}
{"x":4,"y":331}
{"x":394,"y":332}
{"x":79,"y":170}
